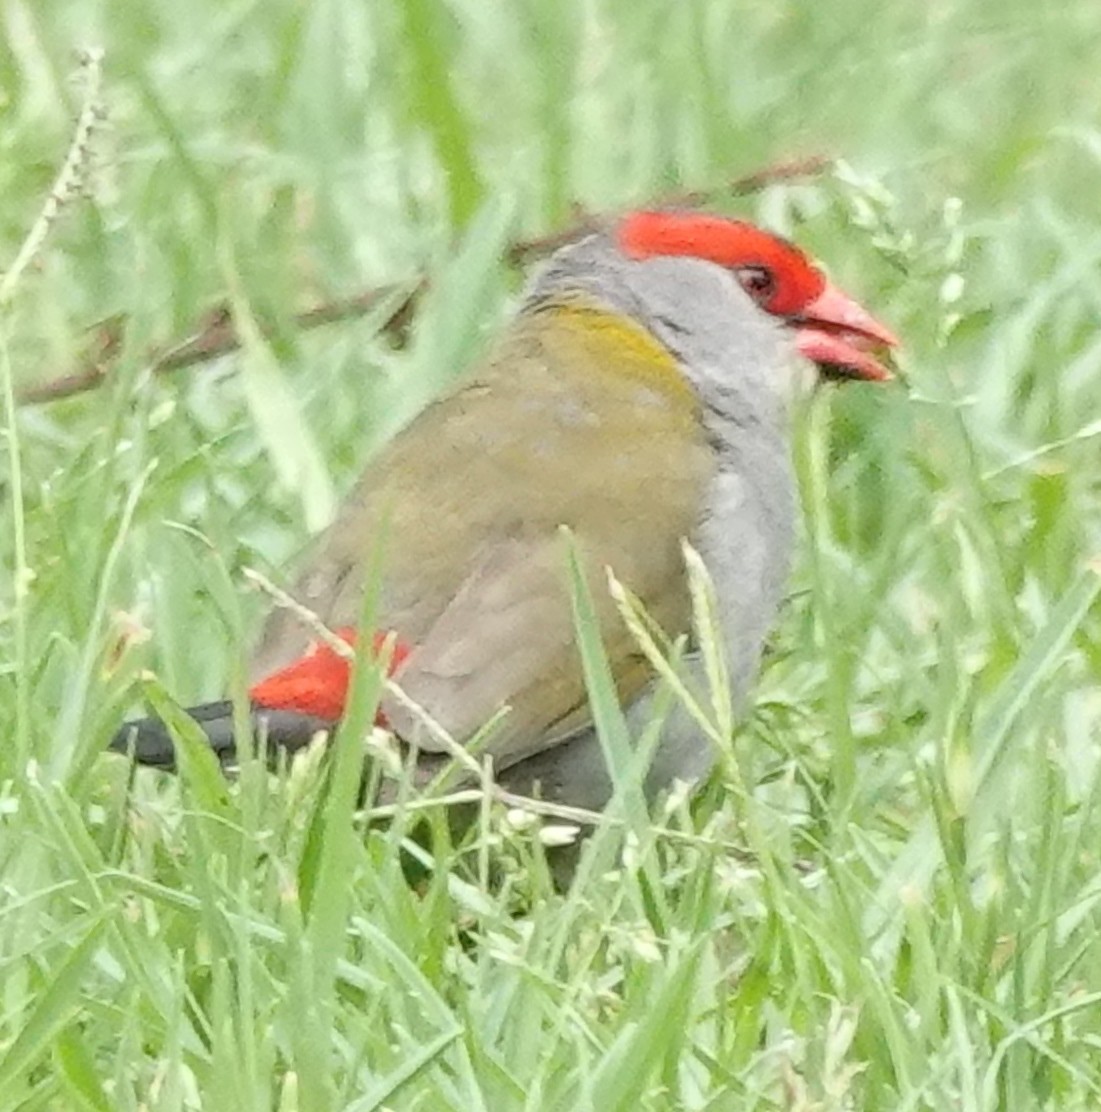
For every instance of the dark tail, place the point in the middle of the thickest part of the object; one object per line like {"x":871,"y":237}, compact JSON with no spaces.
{"x":280,"y":730}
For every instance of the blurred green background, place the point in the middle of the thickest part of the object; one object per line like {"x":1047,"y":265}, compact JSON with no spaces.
{"x":929,"y":723}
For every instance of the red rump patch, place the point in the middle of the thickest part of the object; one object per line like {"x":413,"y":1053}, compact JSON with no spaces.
{"x":317,"y":683}
{"x":729,"y":243}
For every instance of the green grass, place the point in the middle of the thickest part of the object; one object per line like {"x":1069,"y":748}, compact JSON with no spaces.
{"x":889,"y":897}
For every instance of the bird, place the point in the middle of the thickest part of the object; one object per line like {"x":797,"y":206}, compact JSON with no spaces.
{"x":639,"y":399}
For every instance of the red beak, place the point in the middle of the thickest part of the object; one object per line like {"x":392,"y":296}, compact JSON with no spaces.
{"x":841,"y":336}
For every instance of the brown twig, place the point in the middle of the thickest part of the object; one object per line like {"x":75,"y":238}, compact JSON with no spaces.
{"x":525,"y":250}
{"x":217,"y":335}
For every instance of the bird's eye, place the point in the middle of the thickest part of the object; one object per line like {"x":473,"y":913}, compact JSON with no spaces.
{"x":757,"y":282}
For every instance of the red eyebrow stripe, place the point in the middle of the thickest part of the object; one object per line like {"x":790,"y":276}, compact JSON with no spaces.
{"x":729,"y":243}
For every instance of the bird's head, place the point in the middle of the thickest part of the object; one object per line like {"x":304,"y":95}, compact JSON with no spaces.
{"x":831,"y":329}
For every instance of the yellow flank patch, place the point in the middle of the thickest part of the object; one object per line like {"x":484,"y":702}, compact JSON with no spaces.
{"x":621,"y":344}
